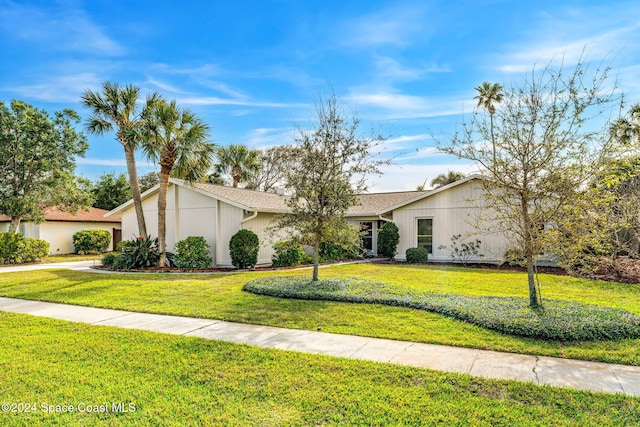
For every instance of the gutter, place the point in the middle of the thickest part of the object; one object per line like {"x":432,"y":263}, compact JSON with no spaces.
{"x":250,"y":217}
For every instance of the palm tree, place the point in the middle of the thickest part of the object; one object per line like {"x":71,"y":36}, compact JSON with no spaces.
{"x":445,"y":179}
{"x":490,"y":94}
{"x":240,"y":161}
{"x":627,"y":129}
{"x":176,"y":139}
{"x":116,"y":108}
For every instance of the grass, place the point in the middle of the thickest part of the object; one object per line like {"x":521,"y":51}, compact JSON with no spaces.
{"x":185,"y":381}
{"x":72,"y":258}
{"x":221,"y":297}
{"x":557,"y":320}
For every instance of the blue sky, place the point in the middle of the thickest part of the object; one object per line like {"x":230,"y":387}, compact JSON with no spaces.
{"x":253,"y":69}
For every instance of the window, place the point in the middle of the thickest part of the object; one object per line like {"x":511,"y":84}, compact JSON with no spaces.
{"x":425,"y":234}
{"x":367,"y":238}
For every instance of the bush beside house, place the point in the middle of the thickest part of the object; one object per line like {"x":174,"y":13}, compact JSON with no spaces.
{"x":417,"y":256}
{"x":388,"y":239}
{"x":243,"y":247}
{"x":93,"y":241}
{"x":17,"y":249}
{"x":193,"y":252}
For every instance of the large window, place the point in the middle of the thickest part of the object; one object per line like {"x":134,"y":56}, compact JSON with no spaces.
{"x":425,"y":234}
{"x":367,"y":238}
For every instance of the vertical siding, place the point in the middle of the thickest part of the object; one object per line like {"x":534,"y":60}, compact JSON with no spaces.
{"x":229,"y":222}
{"x":455,"y":211}
{"x":261,"y":226}
{"x":196,"y":216}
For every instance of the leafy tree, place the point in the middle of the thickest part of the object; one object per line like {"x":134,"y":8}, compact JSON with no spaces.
{"x":446,"y":179}
{"x":490,"y":94}
{"x":327,"y":170}
{"x":116,"y":109}
{"x":273,"y":161}
{"x":176,"y":139}
{"x":543,"y":154}
{"x":388,"y":239}
{"x":239,"y":161}
{"x":215,"y":178}
{"x":37,"y":162}
{"x":110,"y":191}
{"x":148,"y":181}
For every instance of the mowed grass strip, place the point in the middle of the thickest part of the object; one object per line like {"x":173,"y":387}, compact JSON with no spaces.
{"x":183,"y":381}
{"x":221,"y":297}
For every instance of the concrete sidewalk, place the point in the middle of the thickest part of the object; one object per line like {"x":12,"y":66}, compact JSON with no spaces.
{"x":581,"y":375}
{"x":71,"y":265}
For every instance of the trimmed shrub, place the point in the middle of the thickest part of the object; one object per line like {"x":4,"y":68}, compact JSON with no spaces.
{"x":417,"y":256}
{"x":288,"y":253}
{"x":94,"y":241}
{"x":109,"y":260}
{"x":244,"y":246}
{"x":35,"y":249}
{"x":193,"y":252}
{"x":558,"y":320}
{"x":17,"y":249}
{"x":138,"y":254}
{"x":388,"y":239}
{"x":331,"y":252}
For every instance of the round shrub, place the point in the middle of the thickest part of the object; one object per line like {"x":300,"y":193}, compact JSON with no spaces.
{"x":94,"y":241}
{"x":244,"y":246}
{"x":417,"y":256}
{"x":193,"y":252}
{"x":109,"y":260}
{"x":35,"y":249}
{"x":388,"y":239}
{"x":288,"y":253}
{"x":17,"y":249}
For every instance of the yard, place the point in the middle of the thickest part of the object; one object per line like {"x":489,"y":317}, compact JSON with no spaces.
{"x":167,"y":380}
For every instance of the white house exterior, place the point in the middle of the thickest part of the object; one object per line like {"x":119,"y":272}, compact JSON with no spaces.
{"x":59,"y":227}
{"x":424,"y":218}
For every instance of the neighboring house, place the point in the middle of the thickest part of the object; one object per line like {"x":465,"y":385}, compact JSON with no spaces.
{"x":425,"y":218}
{"x":59,"y":227}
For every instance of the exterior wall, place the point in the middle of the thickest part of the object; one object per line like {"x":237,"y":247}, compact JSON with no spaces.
{"x":453,"y":212}
{"x":196,"y":216}
{"x":59,"y":234}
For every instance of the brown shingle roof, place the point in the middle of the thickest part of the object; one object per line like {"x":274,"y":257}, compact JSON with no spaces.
{"x":55,"y":214}
{"x":378,"y":203}
{"x":253,"y":200}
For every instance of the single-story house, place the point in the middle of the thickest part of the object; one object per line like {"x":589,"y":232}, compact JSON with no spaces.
{"x":424,"y":218}
{"x":59,"y":227}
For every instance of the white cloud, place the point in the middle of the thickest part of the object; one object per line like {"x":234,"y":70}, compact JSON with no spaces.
{"x":62,"y":29}
{"x":595,"y":34}
{"x":407,"y":177}
{"x":395,"y":26}
{"x":58,"y":89}
{"x":110,"y":162}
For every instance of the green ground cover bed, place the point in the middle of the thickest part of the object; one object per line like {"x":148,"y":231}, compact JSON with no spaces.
{"x":220,"y":296}
{"x":165,"y":380}
{"x":556,"y":320}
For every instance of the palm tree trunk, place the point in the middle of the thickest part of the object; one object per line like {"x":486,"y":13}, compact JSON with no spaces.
{"x":493,"y":140}
{"x":135,"y":190}
{"x":13,"y":226}
{"x":162,"y":215}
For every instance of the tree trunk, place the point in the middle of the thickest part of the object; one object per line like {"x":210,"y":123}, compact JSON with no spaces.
{"x":493,"y":140}
{"x":135,"y":190}
{"x":13,"y":226}
{"x":316,"y":260}
{"x":533,"y":293}
{"x":162,"y":215}
{"x":236,"y":174}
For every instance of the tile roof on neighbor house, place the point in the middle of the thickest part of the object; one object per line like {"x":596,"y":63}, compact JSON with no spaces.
{"x":53,"y":213}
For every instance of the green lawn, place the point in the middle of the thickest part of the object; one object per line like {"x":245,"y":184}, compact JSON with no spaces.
{"x":182,"y":381}
{"x":220,"y":297}
{"x":72,"y":258}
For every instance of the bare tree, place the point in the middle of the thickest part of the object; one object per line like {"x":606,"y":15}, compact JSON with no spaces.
{"x":545,"y":152}
{"x":327,"y":170}
{"x":274,"y":161}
